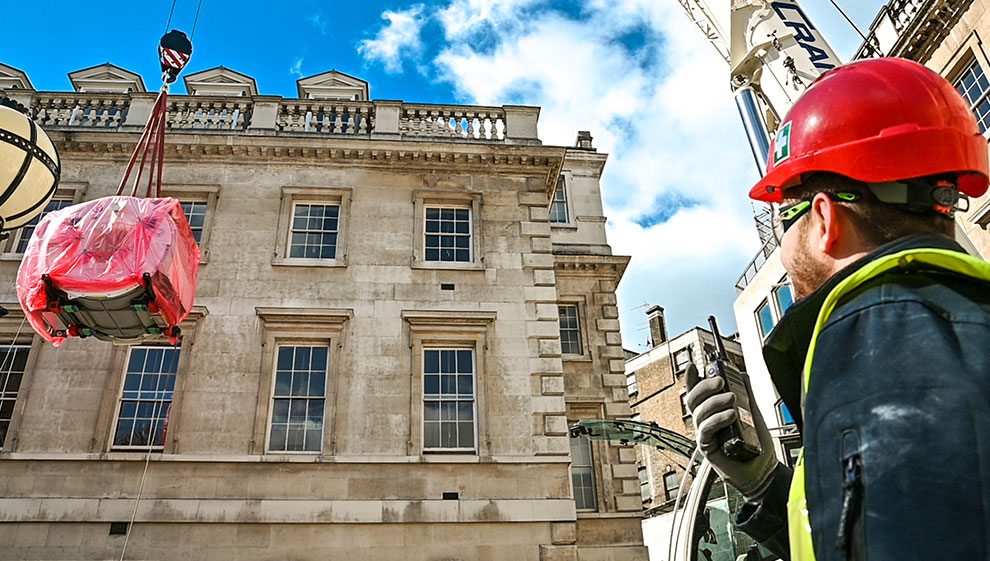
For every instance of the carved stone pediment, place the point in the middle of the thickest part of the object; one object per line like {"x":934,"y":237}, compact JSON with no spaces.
{"x":221,"y":81}
{"x":333,"y":85}
{"x":106,"y":78}
{"x":13,"y":79}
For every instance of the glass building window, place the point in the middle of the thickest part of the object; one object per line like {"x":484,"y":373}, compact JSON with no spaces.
{"x":681,"y":359}
{"x":671,"y":482}
{"x":974,"y":87}
{"x":785,"y":415}
{"x":448,"y":234}
{"x":448,"y":399}
{"x":299,"y":399}
{"x":13,"y":360}
{"x":314,"y":231}
{"x":764,"y":317}
{"x":583,"y":474}
{"x":570,"y":330}
{"x":644,"y":485}
{"x":631,"y":384}
{"x":23,"y":235}
{"x":146,"y":397}
{"x":195,"y":212}
{"x":784,"y":297}
{"x":558,"y":206}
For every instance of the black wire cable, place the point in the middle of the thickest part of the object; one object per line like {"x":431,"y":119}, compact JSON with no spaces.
{"x":195,"y":21}
{"x":169,"y":22}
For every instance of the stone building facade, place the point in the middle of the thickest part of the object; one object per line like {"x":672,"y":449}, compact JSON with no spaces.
{"x":400,"y":310}
{"x":657,"y":387}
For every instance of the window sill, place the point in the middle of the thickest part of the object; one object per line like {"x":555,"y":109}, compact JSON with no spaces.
{"x":576,"y":358}
{"x":563,"y":226}
{"x":296,"y":262}
{"x":11,"y":256}
{"x":448,"y":265}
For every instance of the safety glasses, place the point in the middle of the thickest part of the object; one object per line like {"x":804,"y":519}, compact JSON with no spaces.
{"x":785,"y":216}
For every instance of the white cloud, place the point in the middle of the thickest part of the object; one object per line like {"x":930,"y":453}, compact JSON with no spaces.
{"x":296,"y":68}
{"x":397,"y":39}
{"x":655,"y":96}
{"x":669,"y":125}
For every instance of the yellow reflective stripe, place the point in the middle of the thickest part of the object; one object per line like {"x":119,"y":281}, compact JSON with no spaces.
{"x":798,"y":523}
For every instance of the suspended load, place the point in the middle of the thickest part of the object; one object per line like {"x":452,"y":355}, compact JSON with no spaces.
{"x":121,"y":268}
{"x":29,"y":167}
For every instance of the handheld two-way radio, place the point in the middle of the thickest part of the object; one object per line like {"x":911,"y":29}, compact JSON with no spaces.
{"x":740,"y":440}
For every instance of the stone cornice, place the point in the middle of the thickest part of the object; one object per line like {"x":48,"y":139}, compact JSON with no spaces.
{"x":611,"y":267}
{"x":542,"y":161}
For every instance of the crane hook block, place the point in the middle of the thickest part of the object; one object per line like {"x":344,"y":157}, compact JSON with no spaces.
{"x":174,"y":51}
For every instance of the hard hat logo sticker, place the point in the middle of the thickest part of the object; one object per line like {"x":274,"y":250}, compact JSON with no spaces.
{"x":782,"y":144}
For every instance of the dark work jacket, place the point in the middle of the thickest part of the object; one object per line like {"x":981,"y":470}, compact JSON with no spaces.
{"x":900,"y":386}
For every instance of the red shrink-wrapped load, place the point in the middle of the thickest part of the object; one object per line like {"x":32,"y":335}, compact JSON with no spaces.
{"x":121,"y":269}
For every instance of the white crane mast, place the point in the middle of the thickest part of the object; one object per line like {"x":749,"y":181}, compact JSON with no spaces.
{"x":774,"y":52}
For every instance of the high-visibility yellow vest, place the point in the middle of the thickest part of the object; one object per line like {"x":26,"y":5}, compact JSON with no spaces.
{"x":799,"y":525}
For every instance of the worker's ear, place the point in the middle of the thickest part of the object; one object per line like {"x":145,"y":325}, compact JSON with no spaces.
{"x":827,"y":229}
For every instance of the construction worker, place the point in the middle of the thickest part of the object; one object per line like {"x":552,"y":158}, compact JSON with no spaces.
{"x":884,"y":359}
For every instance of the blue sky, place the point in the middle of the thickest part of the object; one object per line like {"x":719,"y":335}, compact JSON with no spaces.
{"x":636,"y":73}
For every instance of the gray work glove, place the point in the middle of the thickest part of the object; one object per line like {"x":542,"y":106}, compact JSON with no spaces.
{"x":713,"y":409}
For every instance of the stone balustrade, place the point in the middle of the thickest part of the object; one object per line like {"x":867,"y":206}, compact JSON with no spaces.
{"x":452,"y":121}
{"x":272,"y":115}
{"x":79,"y":110}
{"x":326,"y":117}
{"x":213,"y":113}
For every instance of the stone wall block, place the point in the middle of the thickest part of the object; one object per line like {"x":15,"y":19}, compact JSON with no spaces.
{"x":607,"y":324}
{"x":545,"y":366}
{"x":563,"y":533}
{"x":613,"y":338}
{"x":553,"y":446}
{"x":606,"y":286}
{"x":605,"y":298}
{"x":627,"y":502}
{"x":538,"y":260}
{"x":558,"y":553}
{"x":627,"y":455}
{"x":612,"y":352}
{"x":542,"y":277}
{"x":610,"y":312}
{"x":535,"y":229}
{"x":613,"y":410}
{"x":549,"y":347}
{"x":542,"y":329}
{"x":548,"y":405}
{"x":555,"y":425}
{"x":542,"y":245}
{"x":546,"y":311}
{"x":616,"y":365}
{"x":539,"y":213}
{"x":552,"y":385}
{"x":534,"y":199}
{"x":613,"y":380}
{"x":625,"y":471}
{"x":540,"y":294}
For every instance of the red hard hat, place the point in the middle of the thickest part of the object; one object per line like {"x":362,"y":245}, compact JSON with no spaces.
{"x":877,"y":120}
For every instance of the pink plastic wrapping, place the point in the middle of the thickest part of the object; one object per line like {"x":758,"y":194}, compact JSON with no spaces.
{"x":106,"y":246}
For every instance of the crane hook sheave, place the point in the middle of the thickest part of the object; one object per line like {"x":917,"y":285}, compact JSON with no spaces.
{"x":29,"y":167}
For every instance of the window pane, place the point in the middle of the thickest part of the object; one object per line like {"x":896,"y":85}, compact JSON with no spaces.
{"x":448,"y":229}
{"x":297,"y":423}
{"x":13,"y":358}
{"x":764,"y":317}
{"x":570,"y":330}
{"x":448,"y":403}
{"x":784,"y":298}
{"x":23,"y":235}
{"x":146,"y":397}
{"x":314,"y":231}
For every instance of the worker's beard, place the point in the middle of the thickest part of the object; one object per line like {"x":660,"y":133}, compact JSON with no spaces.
{"x":807,"y":274}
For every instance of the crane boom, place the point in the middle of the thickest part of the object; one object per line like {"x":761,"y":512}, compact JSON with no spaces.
{"x":774,"y":53}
